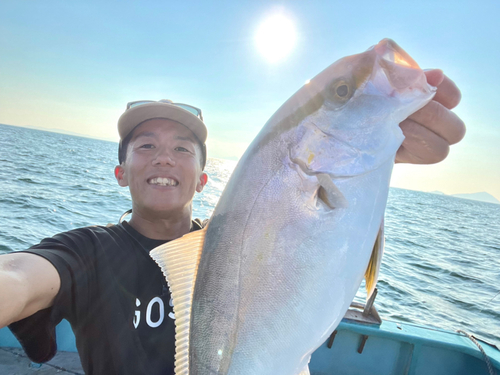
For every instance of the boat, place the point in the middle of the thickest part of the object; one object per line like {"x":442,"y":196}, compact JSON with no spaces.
{"x":358,"y":347}
{"x":362,"y":344}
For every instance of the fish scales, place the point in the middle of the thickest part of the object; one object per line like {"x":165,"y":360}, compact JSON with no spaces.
{"x":292,"y":234}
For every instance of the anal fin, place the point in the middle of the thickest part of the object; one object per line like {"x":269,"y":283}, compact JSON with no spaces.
{"x":372,"y":271}
{"x":179,"y":260}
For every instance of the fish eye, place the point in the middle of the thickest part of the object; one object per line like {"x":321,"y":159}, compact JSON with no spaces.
{"x":340,"y":91}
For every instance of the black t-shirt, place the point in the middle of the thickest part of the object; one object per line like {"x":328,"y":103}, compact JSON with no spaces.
{"x":115,"y":297}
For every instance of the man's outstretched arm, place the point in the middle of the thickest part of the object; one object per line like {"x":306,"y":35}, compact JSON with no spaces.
{"x":430,"y":131}
{"x":28,"y":283}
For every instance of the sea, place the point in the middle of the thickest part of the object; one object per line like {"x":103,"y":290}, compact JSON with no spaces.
{"x":441,"y":265}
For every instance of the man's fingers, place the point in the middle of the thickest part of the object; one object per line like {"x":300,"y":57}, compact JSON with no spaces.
{"x":448,"y":94}
{"x":421,"y":146}
{"x":434,"y":77}
{"x":431,"y":130}
{"x":440,"y":120}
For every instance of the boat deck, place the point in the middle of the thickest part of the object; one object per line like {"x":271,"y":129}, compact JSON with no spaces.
{"x":13,"y":361}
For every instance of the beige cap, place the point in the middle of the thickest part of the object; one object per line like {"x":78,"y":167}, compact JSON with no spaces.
{"x":137,"y":115}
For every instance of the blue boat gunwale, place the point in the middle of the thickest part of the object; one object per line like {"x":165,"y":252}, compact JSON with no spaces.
{"x":418,"y":335}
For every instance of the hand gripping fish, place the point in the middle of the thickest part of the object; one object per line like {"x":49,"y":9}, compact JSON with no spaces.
{"x":292,"y":235}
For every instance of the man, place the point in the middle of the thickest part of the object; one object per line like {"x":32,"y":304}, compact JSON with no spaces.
{"x":101,"y":278}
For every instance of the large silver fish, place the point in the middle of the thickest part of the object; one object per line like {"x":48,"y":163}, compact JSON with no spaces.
{"x":293,"y":233}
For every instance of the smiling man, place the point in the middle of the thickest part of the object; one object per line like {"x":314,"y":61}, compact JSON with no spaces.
{"x":102,"y":280}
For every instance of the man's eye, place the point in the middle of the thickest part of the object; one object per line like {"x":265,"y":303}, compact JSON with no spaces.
{"x":147,"y":145}
{"x":182,"y":149}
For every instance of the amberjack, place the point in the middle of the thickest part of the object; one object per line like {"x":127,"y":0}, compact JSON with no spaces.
{"x":298,"y":225}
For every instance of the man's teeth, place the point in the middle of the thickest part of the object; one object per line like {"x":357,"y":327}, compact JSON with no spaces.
{"x":163,"y":181}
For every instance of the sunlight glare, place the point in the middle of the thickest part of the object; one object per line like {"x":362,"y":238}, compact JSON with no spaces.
{"x":275,"y":38}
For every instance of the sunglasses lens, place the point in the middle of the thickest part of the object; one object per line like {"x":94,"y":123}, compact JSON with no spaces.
{"x":193,"y":110}
{"x":138,"y":103}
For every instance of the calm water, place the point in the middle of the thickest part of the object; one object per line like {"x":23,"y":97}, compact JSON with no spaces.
{"x":442,"y":260}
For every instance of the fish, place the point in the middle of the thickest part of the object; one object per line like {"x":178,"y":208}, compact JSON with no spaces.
{"x":298,"y":225}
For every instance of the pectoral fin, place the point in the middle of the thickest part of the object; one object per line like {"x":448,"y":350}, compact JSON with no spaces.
{"x":371,"y":274}
{"x":179,"y":260}
{"x":329,"y":193}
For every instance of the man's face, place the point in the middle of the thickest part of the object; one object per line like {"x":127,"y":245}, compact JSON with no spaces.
{"x":162,"y":169}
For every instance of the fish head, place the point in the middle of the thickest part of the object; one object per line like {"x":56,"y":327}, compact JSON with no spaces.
{"x":357,"y":104}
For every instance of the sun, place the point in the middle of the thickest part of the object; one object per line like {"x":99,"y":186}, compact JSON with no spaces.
{"x":276,"y":37}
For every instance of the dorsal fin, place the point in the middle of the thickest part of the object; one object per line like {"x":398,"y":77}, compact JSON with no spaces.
{"x":179,"y":260}
{"x":371,"y":274}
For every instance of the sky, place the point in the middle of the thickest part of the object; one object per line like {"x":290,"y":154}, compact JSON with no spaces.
{"x":73,"y":65}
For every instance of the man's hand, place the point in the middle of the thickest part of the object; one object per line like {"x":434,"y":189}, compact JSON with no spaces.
{"x":430,"y":131}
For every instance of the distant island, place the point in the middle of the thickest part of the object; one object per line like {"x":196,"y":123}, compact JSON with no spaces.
{"x":482,"y":197}
{"x":437,"y":192}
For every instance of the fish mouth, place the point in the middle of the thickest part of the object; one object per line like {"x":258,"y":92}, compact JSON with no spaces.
{"x":390,"y":51}
{"x":401,"y":70}
{"x":163,"y":181}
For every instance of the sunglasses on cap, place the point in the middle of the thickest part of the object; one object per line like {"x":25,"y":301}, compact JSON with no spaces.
{"x":195,"y":111}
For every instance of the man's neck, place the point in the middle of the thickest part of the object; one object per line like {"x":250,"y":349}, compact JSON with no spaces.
{"x":161,"y":228}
